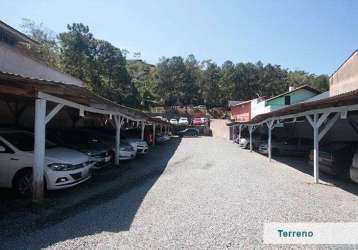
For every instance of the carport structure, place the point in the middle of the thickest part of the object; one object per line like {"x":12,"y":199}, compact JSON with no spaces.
{"x":321,"y":115}
{"x":63,"y":95}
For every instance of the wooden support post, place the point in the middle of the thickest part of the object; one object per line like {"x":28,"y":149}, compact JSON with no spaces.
{"x":118,"y":121}
{"x":39,"y":151}
{"x":142,"y":132}
{"x":240,"y":127}
{"x":153,"y":133}
{"x":270,"y":127}
{"x":315,"y":149}
{"x":250,"y":131}
{"x":316,"y":123}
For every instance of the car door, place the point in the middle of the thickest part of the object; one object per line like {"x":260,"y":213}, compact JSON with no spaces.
{"x":8,"y":162}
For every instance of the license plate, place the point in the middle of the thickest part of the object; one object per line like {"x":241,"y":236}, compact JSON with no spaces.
{"x":107,"y":159}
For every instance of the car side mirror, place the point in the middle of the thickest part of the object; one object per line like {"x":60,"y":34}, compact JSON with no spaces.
{"x":2,"y":149}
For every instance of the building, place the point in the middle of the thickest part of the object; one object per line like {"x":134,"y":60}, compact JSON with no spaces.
{"x":241,"y":112}
{"x":321,"y":96}
{"x":258,"y":106}
{"x":345,"y":78}
{"x":17,"y":59}
{"x":293,"y":96}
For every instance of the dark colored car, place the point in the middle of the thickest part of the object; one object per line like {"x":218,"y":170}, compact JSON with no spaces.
{"x":85,"y":142}
{"x":126,"y":150}
{"x":335,"y":158}
{"x":294,"y":146}
{"x":192,"y":132}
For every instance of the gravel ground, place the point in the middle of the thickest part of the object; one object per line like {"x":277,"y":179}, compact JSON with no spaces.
{"x":208,"y":194}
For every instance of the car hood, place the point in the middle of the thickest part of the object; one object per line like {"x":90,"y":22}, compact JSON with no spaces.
{"x":137,"y":141}
{"x":65,"y":155}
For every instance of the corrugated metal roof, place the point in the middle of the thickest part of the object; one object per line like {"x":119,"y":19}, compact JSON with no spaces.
{"x":234,"y":103}
{"x":17,"y":85}
{"x":240,"y":103}
{"x":19,"y":36}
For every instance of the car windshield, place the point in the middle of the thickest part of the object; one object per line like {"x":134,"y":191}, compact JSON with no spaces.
{"x":83,"y":141}
{"x":24,"y":141}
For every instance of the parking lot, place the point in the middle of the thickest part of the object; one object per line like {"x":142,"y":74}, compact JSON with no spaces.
{"x":192,"y":193}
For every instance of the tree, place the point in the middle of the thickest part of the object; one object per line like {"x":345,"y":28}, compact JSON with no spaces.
{"x":190,"y":85}
{"x":210,"y":84}
{"x":171,"y":80}
{"x":97,"y":62}
{"x":47,"y":50}
{"x":76,"y":50}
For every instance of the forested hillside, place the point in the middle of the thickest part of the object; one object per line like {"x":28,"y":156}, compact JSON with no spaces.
{"x":173,"y":81}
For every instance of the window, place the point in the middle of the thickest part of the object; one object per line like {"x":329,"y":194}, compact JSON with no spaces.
{"x":7,"y":149}
{"x":287,"y":100}
{"x":23,"y":141}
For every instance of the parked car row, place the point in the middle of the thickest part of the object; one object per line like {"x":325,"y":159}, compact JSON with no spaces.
{"x":181,"y":121}
{"x":70,"y":155}
{"x":197,"y":121}
{"x":335,"y":158}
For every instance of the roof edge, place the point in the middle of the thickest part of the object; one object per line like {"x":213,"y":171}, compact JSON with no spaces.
{"x":19,"y":35}
{"x":340,"y":66}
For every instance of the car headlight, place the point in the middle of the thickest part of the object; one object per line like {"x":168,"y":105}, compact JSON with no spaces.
{"x":60,"y":167}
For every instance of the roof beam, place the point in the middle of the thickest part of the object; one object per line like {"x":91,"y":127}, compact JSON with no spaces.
{"x":81,"y":107}
{"x":53,"y":112}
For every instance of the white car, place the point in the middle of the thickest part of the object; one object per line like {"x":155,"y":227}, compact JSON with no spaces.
{"x":173,"y":121}
{"x":126,"y":151}
{"x":64,"y":167}
{"x":139,"y":145}
{"x":183,"y":121}
{"x":204,"y":120}
{"x":244,"y":143}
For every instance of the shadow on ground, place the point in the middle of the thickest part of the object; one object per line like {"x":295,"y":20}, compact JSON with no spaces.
{"x":108,"y":202}
{"x":301,"y":164}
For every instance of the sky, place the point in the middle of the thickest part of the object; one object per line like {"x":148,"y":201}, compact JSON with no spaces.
{"x":311,"y":35}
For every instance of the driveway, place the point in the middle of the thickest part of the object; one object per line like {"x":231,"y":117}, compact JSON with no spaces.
{"x":197,"y":193}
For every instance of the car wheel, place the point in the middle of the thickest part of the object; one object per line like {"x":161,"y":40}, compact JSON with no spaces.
{"x":23,"y":183}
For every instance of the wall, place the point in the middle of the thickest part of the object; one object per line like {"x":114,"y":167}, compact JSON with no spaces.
{"x":346,"y":77}
{"x":13,"y":60}
{"x":296,"y":97}
{"x":258,"y":107}
{"x":241,"y":112}
{"x":219,"y":128}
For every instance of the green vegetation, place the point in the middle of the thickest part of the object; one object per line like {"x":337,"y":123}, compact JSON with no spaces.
{"x":173,"y":81}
